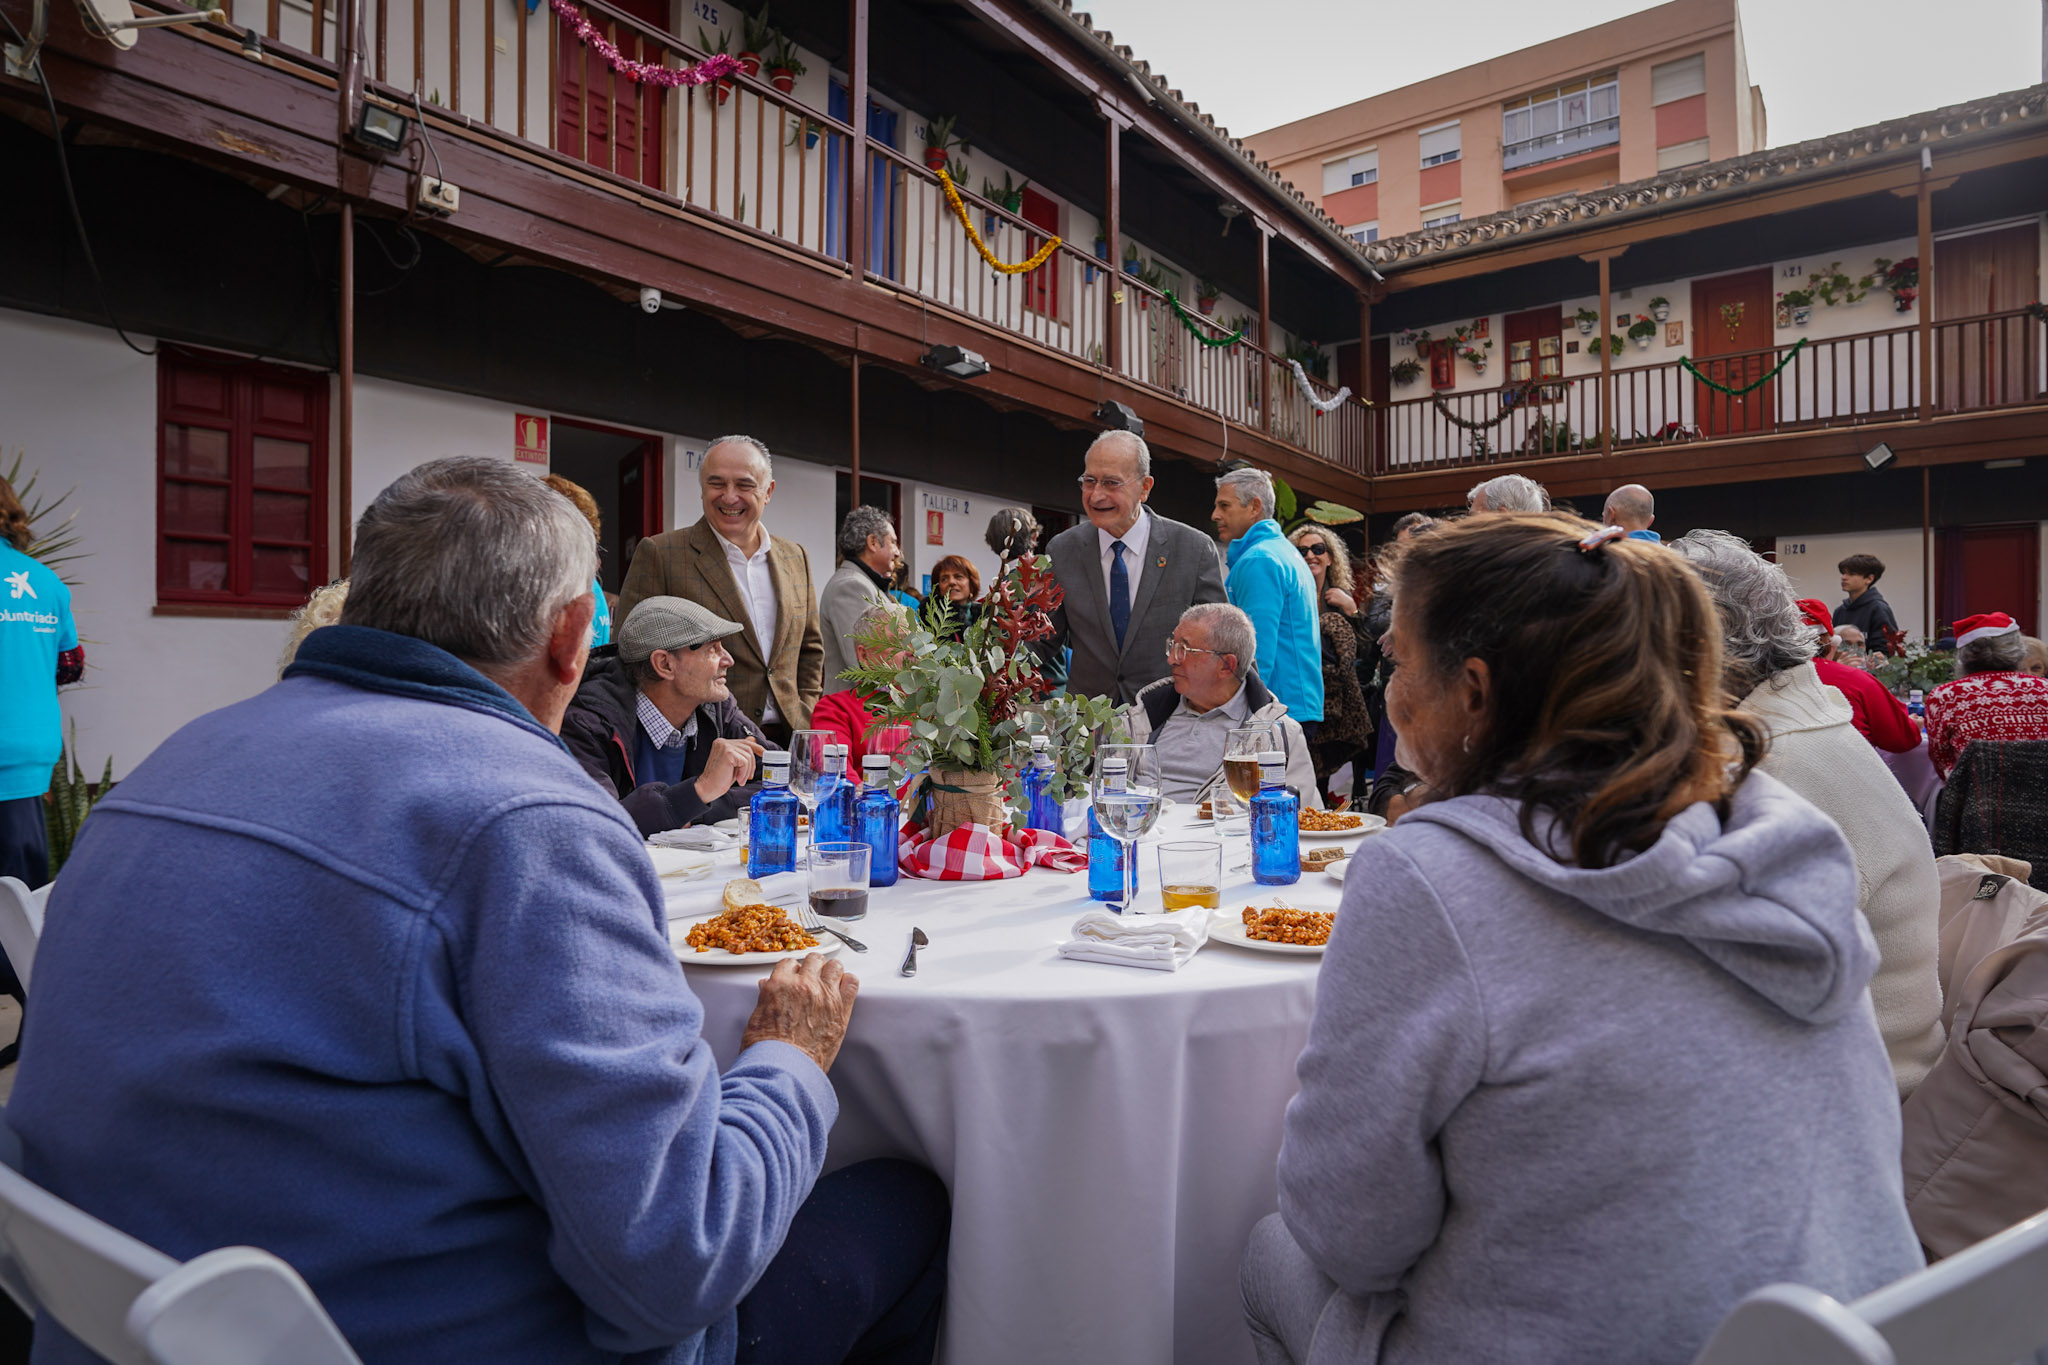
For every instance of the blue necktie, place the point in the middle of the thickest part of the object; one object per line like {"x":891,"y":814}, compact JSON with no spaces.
{"x":1119,"y":592}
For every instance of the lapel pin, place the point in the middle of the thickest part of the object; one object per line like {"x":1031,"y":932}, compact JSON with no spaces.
{"x":1159,"y":563}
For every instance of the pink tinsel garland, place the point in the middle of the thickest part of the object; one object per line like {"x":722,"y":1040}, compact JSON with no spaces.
{"x":647,"y":73}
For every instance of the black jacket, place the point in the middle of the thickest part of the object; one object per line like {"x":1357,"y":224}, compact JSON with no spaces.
{"x":601,"y":728}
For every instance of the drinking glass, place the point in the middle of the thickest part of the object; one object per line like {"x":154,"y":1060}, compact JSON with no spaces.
{"x":887,"y":739}
{"x":806,"y":763}
{"x":839,"y":880}
{"x":1127,"y":806}
{"x":1241,"y":750}
{"x":1191,"y":874}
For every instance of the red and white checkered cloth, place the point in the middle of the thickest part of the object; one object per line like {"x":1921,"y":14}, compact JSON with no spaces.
{"x":975,"y":853}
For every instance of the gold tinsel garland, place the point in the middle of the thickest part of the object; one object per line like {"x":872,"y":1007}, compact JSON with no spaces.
{"x":1038,"y":257}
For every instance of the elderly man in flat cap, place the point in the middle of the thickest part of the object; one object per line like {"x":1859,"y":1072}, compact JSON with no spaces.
{"x":658,"y":727}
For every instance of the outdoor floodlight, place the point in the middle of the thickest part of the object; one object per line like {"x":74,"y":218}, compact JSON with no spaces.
{"x":380,"y":127}
{"x":1879,"y":456}
{"x":957,"y":361}
{"x":1114,"y":416}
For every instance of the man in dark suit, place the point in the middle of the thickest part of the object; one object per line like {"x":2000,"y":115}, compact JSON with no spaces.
{"x":728,"y":563}
{"x":1128,"y":574}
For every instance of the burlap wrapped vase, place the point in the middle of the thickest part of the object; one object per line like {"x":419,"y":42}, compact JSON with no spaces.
{"x":962,"y":798}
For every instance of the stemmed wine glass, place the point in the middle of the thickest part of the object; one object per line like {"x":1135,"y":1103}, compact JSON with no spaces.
{"x":806,"y":765}
{"x":1125,"y":792}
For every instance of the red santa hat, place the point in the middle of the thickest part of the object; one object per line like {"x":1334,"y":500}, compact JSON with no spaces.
{"x":1984,"y":627}
{"x":1817,"y":614}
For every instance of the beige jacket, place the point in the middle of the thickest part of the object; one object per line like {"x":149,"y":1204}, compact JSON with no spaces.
{"x":1817,"y":752}
{"x":1975,"y":1137}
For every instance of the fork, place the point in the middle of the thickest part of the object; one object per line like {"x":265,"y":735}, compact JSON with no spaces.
{"x":808,"y":918}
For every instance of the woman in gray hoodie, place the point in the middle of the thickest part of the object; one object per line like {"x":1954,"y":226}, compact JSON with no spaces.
{"x":1593,"y":1055}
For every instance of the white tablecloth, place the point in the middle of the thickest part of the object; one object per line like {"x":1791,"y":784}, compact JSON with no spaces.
{"x":1108,"y":1133}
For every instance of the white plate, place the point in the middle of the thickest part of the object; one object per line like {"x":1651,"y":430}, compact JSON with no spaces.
{"x":1373,"y":825}
{"x":1227,"y":926}
{"x":1338,"y":868}
{"x":678,"y":931}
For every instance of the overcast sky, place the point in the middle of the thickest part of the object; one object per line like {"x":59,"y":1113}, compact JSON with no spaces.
{"x":1824,"y":65}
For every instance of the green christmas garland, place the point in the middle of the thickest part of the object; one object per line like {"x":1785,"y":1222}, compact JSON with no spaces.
{"x":1686,"y":361}
{"x":1187,"y":321}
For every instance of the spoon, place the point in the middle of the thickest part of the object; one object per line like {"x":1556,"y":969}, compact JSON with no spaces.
{"x":917,"y":940}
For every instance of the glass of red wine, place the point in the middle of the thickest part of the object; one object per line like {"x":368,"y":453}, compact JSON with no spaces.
{"x":839,"y":880}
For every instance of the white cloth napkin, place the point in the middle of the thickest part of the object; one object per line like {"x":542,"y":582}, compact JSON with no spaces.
{"x":1158,"y":942}
{"x":677,"y":864}
{"x":703,"y":838}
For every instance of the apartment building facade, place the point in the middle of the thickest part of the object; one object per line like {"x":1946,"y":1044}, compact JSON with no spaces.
{"x":1623,"y":101}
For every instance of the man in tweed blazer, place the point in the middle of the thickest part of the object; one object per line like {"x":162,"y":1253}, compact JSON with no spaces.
{"x":728,"y":563}
{"x":1160,"y":566}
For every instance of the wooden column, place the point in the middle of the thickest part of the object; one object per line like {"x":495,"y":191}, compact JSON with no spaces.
{"x":1113,"y":232}
{"x":853,"y":432}
{"x":1606,"y":359}
{"x":857,"y":116}
{"x":345,"y":424}
{"x":1933,"y":631}
{"x":1265,"y":324}
{"x":1365,"y":385}
{"x":1924,"y":200}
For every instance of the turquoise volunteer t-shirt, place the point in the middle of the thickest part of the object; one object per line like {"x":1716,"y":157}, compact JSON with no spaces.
{"x":601,"y":619}
{"x":35,"y":627}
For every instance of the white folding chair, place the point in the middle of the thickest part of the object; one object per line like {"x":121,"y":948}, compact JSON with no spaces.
{"x":1982,"y":1306}
{"x":21,"y":923}
{"x":136,"y":1306}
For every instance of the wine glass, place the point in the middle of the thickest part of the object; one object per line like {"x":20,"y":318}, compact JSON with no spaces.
{"x":1125,"y":792}
{"x":806,"y":765}
{"x":1241,"y":750}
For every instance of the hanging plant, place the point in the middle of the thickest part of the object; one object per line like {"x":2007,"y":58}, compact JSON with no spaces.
{"x":1421,"y":340}
{"x":756,"y":36}
{"x":1642,"y":333}
{"x":940,"y":140}
{"x":783,"y":64}
{"x":1902,"y":278}
{"x":1587,"y":320}
{"x":1206,"y":294}
{"x":1797,"y":305}
{"x":1831,"y":286}
{"x":1405,"y":372}
{"x":1660,"y":308}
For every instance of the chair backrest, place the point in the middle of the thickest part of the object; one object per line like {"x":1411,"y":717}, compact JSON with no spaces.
{"x":133,"y":1305}
{"x":1981,"y":1306}
{"x":21,"y":924}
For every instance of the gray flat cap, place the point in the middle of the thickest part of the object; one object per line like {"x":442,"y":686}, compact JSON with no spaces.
{"x":669,"y":623}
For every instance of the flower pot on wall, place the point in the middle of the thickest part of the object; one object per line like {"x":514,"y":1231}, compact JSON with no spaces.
{"x":723,"y":90}
{"x":750,"y":64}
{"x":1642,"y":343}
{"x":1661,"y":311}
{"x":1586,"y":328}
{"x":1207,"y":306}
{"x":935,"y":158}
{"x":1802,"y":314}
{"x":783,"y":79}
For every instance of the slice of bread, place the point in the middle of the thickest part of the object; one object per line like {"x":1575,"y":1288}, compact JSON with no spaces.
{"x":741,"y":891}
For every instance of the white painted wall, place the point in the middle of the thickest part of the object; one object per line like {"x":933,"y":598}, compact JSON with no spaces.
{"x":965,"y":527}
{"x":401,"y":426}
{"x":1809,"y":561}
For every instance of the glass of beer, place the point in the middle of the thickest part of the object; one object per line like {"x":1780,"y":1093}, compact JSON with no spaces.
{"x":1191,"y":874}
{"x":1241,"y":750}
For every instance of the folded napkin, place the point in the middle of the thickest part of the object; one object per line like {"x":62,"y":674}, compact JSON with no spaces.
{"x":678,"y":864}
{"x":703,"y":838}
{"x":1153,"y":941}
{"x":976,"y":853}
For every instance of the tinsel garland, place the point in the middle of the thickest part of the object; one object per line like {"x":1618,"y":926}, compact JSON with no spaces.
{"x":1217,"y":343}
{"x":646,"y":73}
{"x":1686,"y":362}
{"x":1038,"y":257}
{"x":1323,"y":406}
{"x":1510,"y":400}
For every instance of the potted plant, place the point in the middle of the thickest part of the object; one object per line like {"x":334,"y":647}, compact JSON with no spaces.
{"x":1476,"y":351}
{"x":1587,"y":320}
{"x":1614,"y":344}
{"x":783,"y":65}
{"x":1660,"y":308}
{"x":940,"y":140}
{"x":722,"y":48}
{"x":1798,"y":303}
{"x":1642,"y":332}
{"x":1421,"y":338}
{"x":1011,"y":197}
{"x":972,"y":703}
{"x":1902,"y":278}
{"x":1831,"y":286}
{"x":809,"y":129}
{"x":1206,"y":294}
{"x":1154,"y":275}
{"x":756,"y":36}
{"x":1131,"y":266}
{"x":1405,"y":371}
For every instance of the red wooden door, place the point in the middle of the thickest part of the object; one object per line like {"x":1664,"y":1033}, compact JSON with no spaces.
{"x":1041,"y":286}
{"x":602,"y":117}
{"x":639,"y":499}
{"x":1732,"y":318}
{"x":1990,"y":568}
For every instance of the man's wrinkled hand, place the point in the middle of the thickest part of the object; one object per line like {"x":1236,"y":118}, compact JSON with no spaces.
{"x":805,"y":1004}
{"x":730,"y":763}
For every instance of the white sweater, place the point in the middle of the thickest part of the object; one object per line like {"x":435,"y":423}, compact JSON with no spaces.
{"x":1816,"y":751}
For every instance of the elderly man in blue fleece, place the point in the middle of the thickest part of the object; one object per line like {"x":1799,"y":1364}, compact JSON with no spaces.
{"x":1270,"y":583}
{"x":367,"y":972}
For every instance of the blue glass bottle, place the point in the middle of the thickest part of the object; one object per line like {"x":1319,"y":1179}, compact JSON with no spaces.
{"x":878,"y":818}
{"x":1041,"y":809}
{"x":1105,"y":855}
{"x":771,"y":820}
{"x":1276,"y":826}
{"x":1916,"y":704}
{"x":832,"y":818}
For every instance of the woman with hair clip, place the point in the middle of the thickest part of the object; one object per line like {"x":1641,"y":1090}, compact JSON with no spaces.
{"x":1593,"y":1054}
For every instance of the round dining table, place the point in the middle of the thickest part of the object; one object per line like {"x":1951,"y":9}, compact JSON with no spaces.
{"x":1108,"y":1133}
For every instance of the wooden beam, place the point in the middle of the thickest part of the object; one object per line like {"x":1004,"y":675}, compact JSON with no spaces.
{"x":345,"y":365}
{"x":853,"y":428}
{"x":1265,"y":361}
{"x":857,"y":115}
{"x":1925,"y":207}
{"x":1606,"y":358}
{"x":1927,"y":543}
{"x":1113,"y":229}
{"x":1365,"y":377}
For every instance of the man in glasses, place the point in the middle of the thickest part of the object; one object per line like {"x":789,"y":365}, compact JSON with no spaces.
{"x":1128,"y":575}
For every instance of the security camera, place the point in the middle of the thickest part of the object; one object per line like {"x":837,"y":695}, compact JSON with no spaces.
{"x":650,"y":300}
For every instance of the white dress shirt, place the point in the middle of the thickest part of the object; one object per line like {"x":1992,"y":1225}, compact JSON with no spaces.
{"x":758,"y":588}
{"x":1134,"y":541}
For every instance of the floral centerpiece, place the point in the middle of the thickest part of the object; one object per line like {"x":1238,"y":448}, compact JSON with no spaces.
{"x":973,"y":697}
{"x":1921,"y":666}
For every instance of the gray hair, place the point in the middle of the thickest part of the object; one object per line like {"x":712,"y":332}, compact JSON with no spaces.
{"x":862,"y":522}
{"x":1251,"y":485}
{"x":474,"y":555}
{"x":1992,"y":654}
{"x":1229,"y":630}
{"x":1763,"y":629}
{"x":1129,"y":443}
{"x":1508,"y":493}
{"x":760,"y":454}
{"x":1013,"y":532}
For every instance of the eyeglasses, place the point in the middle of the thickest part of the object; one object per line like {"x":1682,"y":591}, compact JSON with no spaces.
{"x":1177,"y":650}
{"x":1089,"y":483}
{"x":1315,"y":547}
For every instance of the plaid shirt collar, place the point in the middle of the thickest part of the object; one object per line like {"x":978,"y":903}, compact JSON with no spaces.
{"x":664,"y":735}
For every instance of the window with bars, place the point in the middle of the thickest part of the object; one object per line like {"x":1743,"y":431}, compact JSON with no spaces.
{"x":241,"y":481}
{"x":1440,"y":144}
{"x":1562,"y":121}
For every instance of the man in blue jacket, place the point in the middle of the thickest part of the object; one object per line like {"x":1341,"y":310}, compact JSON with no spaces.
{"x":368,"y":972}
{"x":1270,"y":582}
